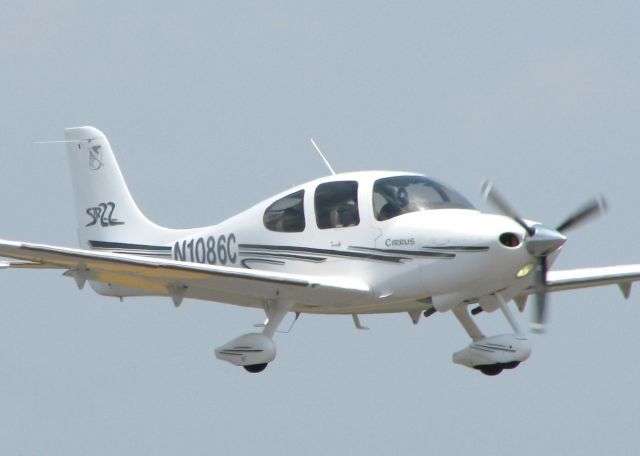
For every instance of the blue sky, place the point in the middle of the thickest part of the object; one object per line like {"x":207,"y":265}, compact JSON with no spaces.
{"x":209,"y":107}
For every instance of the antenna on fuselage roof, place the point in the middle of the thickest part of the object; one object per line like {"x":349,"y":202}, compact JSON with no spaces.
{"x":326,"y":162}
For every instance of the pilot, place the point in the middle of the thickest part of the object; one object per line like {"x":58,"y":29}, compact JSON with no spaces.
{"x":396,"y":206}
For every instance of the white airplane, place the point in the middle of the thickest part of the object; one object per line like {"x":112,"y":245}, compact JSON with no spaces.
{"x":354,"y":243}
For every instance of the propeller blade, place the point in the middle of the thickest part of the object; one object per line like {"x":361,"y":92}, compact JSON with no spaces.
{"x":591,"y":209}
{"x":492,"y":195}
{"x":539,"y":313}
{"x":541,"y":242}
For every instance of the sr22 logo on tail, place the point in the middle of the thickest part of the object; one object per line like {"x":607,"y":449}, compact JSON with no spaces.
{"x":103,"y":212}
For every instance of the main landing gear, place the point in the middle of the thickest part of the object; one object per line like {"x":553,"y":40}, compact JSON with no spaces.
{"x":254,"y":351}
{"x":491,"y":355}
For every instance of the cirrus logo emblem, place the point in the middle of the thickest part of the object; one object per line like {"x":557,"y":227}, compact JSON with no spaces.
{"x":95,"y":158}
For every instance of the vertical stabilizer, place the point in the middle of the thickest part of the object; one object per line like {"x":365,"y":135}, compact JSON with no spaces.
{"x":108,"y":217}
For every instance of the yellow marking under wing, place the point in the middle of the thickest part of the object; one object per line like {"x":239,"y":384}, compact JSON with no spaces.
{"x":154,"y":275}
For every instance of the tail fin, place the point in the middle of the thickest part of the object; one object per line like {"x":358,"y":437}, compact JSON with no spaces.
{"x":108,"y":217}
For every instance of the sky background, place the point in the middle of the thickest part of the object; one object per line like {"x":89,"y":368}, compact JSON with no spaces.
{"x":209,"y":106}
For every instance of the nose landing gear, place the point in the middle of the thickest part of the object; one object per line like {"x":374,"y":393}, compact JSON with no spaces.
{"x":491,"y":355}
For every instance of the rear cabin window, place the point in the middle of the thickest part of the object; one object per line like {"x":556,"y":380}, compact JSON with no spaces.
{"x":287,"y":214}
{"x":337,"y":204}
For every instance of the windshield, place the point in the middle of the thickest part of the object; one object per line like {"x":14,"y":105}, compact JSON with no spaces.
{"x":399,"y":195}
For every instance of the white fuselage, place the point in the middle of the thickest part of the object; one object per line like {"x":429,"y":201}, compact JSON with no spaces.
{"x":437,"y":256}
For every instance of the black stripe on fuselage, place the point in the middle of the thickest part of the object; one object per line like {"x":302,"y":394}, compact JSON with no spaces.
{"x":140,"y":253}
{"x":458,"y":248}
{"x":420,"y":253}
{"x":328,"y":252}
{"x":126,"y":246}
{"x":286,"y":256}
{"x":260,"y":260}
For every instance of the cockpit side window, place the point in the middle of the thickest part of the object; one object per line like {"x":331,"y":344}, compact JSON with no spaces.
{"x":287,"y":214}
{"x":393,"y":196}
{"x":337,"y":204}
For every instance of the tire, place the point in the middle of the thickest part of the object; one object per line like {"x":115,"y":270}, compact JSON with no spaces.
{"x":255,"y":368}
{"x":490,"y":369}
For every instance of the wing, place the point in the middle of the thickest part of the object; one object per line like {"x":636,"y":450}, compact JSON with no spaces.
{"x":572,"y":279}
{"x":151,"y":276}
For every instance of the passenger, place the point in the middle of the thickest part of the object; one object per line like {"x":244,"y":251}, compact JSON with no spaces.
{"x":348,"y":217}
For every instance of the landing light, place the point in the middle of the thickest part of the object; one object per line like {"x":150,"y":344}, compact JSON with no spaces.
{"x":524,"y":271}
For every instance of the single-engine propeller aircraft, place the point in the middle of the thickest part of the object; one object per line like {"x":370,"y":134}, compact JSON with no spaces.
{"x":354,"y":243}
